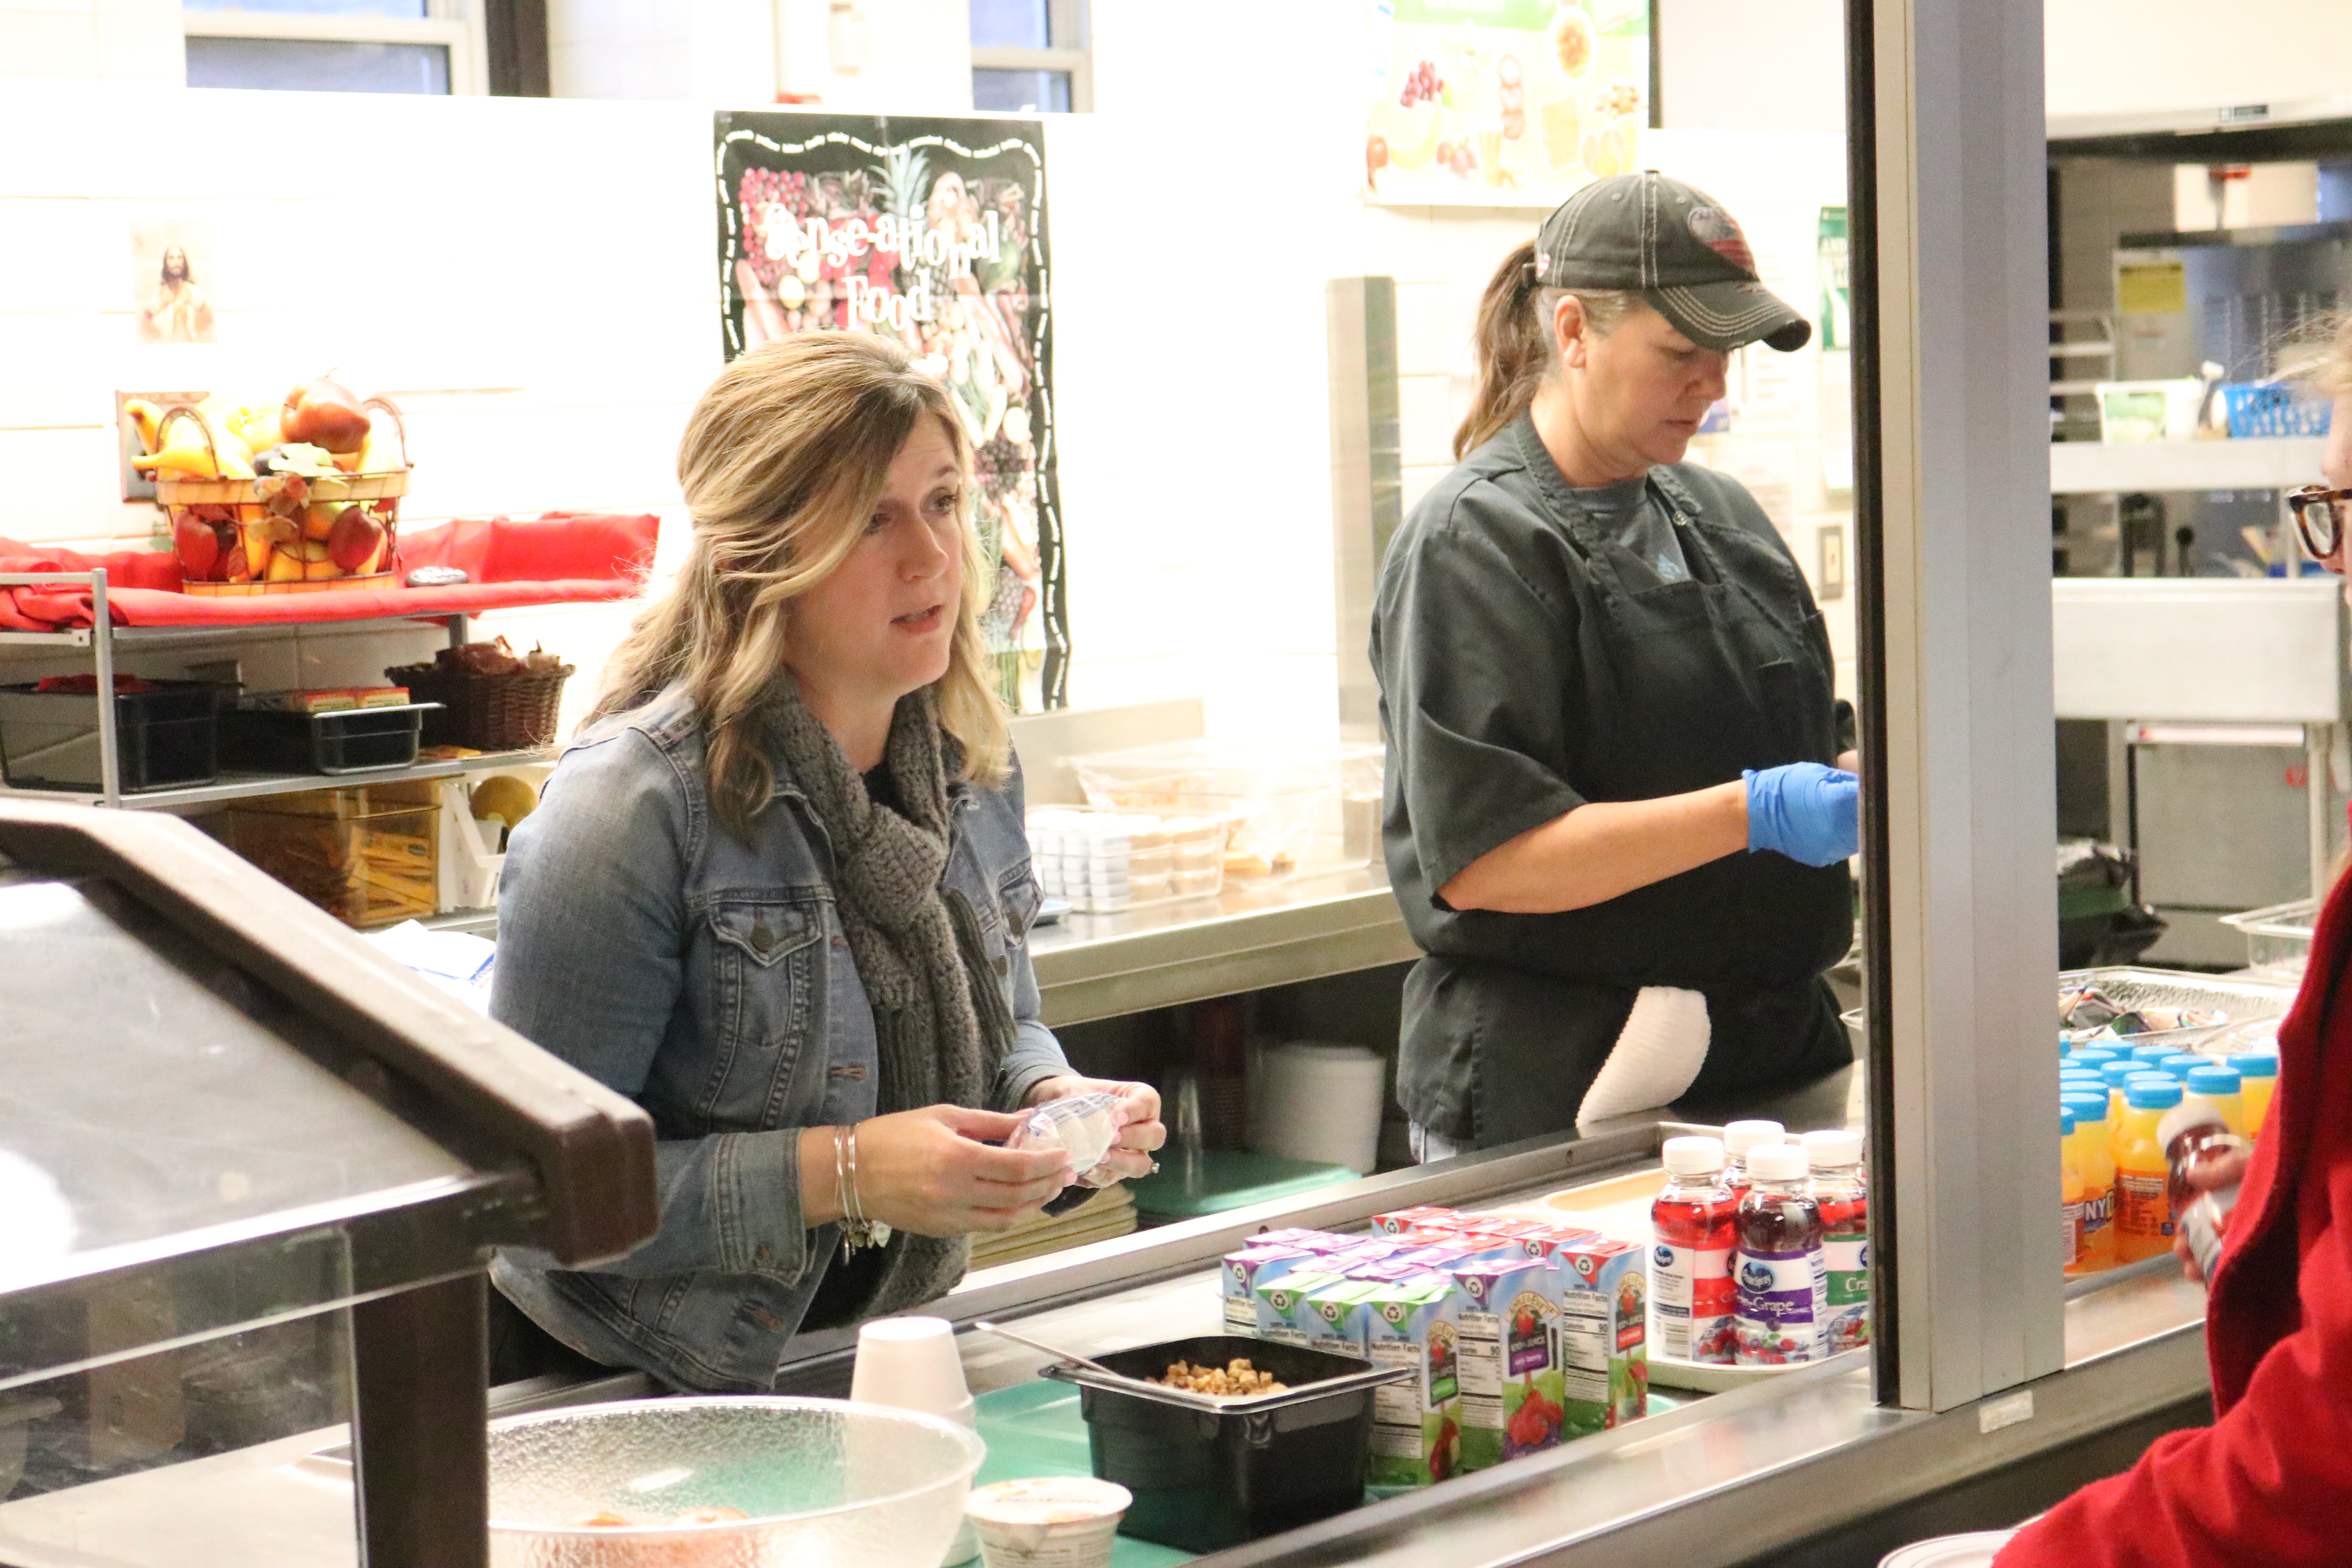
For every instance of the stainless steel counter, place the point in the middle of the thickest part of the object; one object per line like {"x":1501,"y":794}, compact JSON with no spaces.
{"x":1249,"y":936}
{"x":1715,"y":1483}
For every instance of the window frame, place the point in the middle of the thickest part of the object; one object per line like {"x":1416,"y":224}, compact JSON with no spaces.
{"x":454,"y":25}
{"x":1065,"y":19}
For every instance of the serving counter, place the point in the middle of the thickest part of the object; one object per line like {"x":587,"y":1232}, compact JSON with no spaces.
{"x":1719,"y":1480}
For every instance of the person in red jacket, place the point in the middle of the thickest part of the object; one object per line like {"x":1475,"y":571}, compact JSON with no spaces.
{"x":2270,"y":1482}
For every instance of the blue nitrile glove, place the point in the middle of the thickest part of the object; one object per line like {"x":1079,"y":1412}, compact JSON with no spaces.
{"x":1804,"y":811}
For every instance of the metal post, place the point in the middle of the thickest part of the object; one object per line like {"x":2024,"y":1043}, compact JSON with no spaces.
{"x":110,"y":757}
{"x":2318,"y":740}
{"x":1950,"y":278}
{"x":420,"y":1405}
{"x":458,"y":631}
{"x":1367,"y":477}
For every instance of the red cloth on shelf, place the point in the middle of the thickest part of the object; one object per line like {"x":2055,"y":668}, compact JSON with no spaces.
{"x":563,"y":558}
{"x":2270,"y":1482}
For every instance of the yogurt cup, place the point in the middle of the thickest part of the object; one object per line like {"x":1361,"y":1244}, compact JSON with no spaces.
{"x":1051,"y":1522}
{"x":1977,"y":1549}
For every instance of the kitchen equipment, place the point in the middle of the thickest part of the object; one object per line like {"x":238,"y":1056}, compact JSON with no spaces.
{"x":262,"y":1118}
{"x":2235,"y":1000}
{"x":822,"y":1483}
{"x":1074,"y":1359}
{"x":1205,"y":1478}
{"x":166,"y":735}
{"x":2277,"y":933}
{"x":348,"y":740}
{"x":1321,"y":1103}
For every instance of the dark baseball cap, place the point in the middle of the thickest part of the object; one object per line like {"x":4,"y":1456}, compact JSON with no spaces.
{"x":1676,"y":247}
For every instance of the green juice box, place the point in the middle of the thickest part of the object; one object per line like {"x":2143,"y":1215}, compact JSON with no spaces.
{"x":1513,"y":1387}
{"x":1245,"y":1270}
{"x":1285,"y":1313}
{"x":1416,"y":1422}
{"x":1603,"y":1351}
{"x":1340,"y":1310}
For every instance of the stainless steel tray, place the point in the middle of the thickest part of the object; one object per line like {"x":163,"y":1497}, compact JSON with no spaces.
{"x":2236,"y":999}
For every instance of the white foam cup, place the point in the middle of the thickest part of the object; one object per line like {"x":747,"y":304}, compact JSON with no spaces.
{"x":1051,"y":1522}
{"x":911,"y":1363}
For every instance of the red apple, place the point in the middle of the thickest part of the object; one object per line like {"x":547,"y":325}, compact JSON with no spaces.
{"x":197,"y":545}
{"x":352,"y":542}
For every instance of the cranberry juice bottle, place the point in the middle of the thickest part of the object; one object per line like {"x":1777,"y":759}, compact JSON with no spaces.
{"x":1739,"y":1137}
{"x":1781,"y":1279}
{"x":1837,"y":1184}
{"x":1690,"y":1257}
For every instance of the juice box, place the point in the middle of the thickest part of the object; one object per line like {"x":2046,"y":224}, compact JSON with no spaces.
{"x":1511,"y":1229}
{"x":1416,"y":1425}
{"x":1284,"y":1313}
{"x":1512,"y":1382}
{"x":1388,"y":1271}
{"x":1310,"y":1240}
{"x":1603,"y":1336}
{"x":1406,"y":1219}
{"x":1554,"y":1239}
{"x":1243,"y":1271}
{"x":1339,"y":1310}
{"x":1366,"y":1250}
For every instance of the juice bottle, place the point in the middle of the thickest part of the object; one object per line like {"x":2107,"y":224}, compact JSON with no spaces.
{"x":2149,"y":1056}
{"x":2193,"y":1133}
{"x":1782,"y":1279}
{"x":2257,"y":1076}
{"x":2070,"y":1082}
{"x":1739,"y":1137}
{"x":2093,"y":1058}
{"x":1837,"y":1185}
{"x":2095,"y":1160}
{"x":1690,"y":1257}
{"x":2219,"y":1087}
{"x":2143,"y":1210}
{"x":2180,"y":1064}
{"x":2118,"y":1074}
{"x":2070,"y":1196}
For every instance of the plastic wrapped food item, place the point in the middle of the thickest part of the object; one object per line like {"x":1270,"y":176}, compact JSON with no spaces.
{"x":1083,"y":1126}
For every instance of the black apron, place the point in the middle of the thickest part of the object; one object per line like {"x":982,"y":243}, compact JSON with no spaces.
{"x":1662,"y":688}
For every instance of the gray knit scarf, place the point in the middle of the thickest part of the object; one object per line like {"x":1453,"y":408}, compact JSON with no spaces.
{"x":941,"y":1025}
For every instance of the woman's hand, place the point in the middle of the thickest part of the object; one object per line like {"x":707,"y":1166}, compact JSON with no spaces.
{"x":933,"y":1171}
{"x":2223,"y":1170}
{"x":1131,"y":1155}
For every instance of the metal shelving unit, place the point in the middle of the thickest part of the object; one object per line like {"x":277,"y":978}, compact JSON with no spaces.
{"x":102,"y":637}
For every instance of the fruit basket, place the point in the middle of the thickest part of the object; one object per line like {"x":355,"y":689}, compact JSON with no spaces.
{"x":294,"y":518}
{"x":492,"y":698}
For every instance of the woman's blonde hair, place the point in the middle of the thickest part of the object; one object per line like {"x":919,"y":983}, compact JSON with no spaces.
{"x":2319,"y":353}
{"x":1513,"y":342}
{"x":783,"y":461}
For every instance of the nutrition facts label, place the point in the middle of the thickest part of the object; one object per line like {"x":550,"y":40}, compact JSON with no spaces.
{"x":1584,"y":1345}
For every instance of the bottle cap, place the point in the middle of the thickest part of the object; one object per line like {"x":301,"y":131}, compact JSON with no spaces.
{"x":2188,"y":1118}
{"x":2086,"y":1107}
{"x":2065,"y":1045}
{"x":1739,"y":1137}
{"x":1778,"y":1161}
{"x":1833,"y":1146}
{"x":2150,"y":1054}
{"x":2095,"y":1058}
{"x":2088,"y":1079}
{"x":2065,"y":1123}
{"x":2256,"y":1064}
{"x":2212,"y":1079}
{"x":2180,"y":1064}
{"x":2146,"y":1093}
{"x":1698,"y":1156}
{"x":2118,"y":1074}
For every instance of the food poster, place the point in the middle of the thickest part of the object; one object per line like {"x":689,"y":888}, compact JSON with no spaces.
{"x":931,"y":231}
{"x":1502,"y":102}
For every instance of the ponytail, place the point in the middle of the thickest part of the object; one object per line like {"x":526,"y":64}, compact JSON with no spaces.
{"x":1512,"y":342}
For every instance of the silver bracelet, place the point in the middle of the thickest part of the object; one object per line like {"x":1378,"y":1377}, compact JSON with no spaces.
{"x":856,"y":1230}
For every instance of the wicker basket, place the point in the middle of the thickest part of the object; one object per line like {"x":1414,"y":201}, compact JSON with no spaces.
{"x":248,"y":496}
{"x":487,"y":712}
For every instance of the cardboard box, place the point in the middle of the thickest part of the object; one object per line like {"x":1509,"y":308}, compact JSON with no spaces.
{"x":1406,"y":1219}
{"x":1512,"y":1385}
{"x":1604,"y":1352}
{"x":1241,"y":1273}
{"x":1416,"y":1423}
{"x":1285,"y":1313}
{"x":1340,"y":1309}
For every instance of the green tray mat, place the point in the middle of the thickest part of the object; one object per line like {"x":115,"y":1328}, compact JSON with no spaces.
{"x":1230,"y":1179}
{"x":1034,"y":1429}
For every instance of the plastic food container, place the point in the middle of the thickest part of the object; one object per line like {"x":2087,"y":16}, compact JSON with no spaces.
{"x":1107,"y":861}
{"x":2279,"y":935}
{"x":810,"y":1480}
{"x":1206,"y":1473}
{"x":369,"y":855}
{"x":166,"y":737}
{"x":1287,"y":808}
{"x":348,"y":740}
{"x":1053,"y":1521}
{"x":2233,"y":1000}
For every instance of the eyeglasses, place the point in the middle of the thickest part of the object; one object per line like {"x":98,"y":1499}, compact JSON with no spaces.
{"x":2321,"y":514}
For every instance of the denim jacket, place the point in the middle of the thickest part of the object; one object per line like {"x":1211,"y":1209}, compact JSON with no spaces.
{"x":709,"y":981}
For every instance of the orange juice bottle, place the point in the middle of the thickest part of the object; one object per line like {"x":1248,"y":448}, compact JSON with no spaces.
{"x":2257,"y":1076}
{"x":2143,"y":1209}
{"x":2095,"y":1160}
{"x":2221,"y":1088}
{"x":2070,"y":1196}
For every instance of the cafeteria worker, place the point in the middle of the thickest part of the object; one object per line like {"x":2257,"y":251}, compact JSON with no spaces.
{"x":1615,"y":814}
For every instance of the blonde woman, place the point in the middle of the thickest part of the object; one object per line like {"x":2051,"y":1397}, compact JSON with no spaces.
{"x":779,"y":890}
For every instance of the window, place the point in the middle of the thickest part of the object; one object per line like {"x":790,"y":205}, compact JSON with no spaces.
{"x":337,"y":45}
{"x":1029,"y":57}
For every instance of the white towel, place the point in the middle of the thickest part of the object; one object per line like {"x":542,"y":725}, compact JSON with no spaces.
{"x":1657,"y":1055}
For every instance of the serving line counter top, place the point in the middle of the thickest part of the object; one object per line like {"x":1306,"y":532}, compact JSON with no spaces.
{"x":1250,"y":935}
{"x":1715,"y":1482}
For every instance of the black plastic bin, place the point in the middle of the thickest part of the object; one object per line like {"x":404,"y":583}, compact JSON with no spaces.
{"x":165,"y":738}
{"x":1208,"y":1474}
{"x":348,"y":740}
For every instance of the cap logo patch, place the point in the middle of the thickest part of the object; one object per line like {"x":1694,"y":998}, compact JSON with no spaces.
{"x":1713,"y":227}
